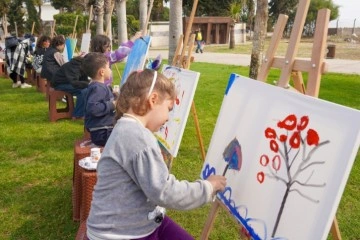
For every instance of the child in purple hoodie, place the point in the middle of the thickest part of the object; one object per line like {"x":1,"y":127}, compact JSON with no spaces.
{"x":102,"y":43}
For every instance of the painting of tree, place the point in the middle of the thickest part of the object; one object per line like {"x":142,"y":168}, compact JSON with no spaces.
{"x":293,"y":142}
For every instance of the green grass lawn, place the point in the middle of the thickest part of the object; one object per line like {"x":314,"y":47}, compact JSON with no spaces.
{"x":36,"y":159}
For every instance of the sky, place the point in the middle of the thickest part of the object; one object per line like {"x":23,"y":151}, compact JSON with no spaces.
{"x":349,"y":11}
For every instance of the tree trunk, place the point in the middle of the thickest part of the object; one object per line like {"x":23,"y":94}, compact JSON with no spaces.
{"x":121,"y":20}
{"x":259,"y":37}
{"x":143,"y":9}
{"x":232,"y":36}
{"x":99,"y":10}
{"x":107,"y":17}
{"x":175,"y":27}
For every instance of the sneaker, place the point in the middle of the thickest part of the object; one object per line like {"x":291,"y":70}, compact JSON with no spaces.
{"x":16,"y":85}
{"x":25,"y":85}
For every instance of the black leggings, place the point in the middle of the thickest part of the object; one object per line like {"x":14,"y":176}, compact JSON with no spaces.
{"x":14,"y":75}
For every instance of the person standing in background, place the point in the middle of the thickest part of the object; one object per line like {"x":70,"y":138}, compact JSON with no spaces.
{"x":16,"y":57}
{"x":198,"y":38}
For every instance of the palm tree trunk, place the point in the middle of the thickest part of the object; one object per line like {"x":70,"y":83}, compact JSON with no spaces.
{"x":121,"y":20}
{"x":232,"y":36}
{"x":99,"y":9}
{"x":107,"y":17}
{"x":259,"y":37}
{"x":175,"y":26}
{"x":143,"y":9}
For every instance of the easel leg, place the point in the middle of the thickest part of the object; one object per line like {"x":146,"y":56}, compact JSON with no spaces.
{"x":298,"y":81}
{"x":335,"y":231}
{"x":210,"y":221}
{"x":198,"y":133}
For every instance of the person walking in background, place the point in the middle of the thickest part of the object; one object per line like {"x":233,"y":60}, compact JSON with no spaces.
{"x":53,"y":59}
{"x":99,"y":100}
{"x":16,"y":57}
{"x":42,"y":45}
{"x":133,"y":182}
{"x":198,"y":38}
{"x":102,"y":44}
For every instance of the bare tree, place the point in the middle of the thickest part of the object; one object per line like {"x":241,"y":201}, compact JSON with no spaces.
{"x":175,"y":26}
{"x":259,"y":37}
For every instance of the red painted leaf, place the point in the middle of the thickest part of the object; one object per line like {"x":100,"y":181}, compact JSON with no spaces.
{"x":312,"y":137}
{"x":295,"y":140}
{"x":289,"y":123}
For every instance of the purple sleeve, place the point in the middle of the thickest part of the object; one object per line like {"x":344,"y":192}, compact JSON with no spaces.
{"x":120,"y":53}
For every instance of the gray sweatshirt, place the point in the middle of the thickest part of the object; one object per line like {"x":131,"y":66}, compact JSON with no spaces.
{"x":132,"y":180}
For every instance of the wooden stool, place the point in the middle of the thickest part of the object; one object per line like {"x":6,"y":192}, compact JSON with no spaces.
{"x":40,"y":83}
{"x":82,"y":149}
{"x":88,"y":181}
{"x":29,"y":76}
{"x":81,"y":233}
{"x":2,"y":69}
{"x":59,"y":113}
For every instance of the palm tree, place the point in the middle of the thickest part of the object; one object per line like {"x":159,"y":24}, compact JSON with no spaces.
{"x":175,"y":27}
{"x":234,"y":11}
{"x":259,"y":37}
{"x":143,"y":9}
{"x":121,"y":20}
{"x":99,"y":10}
{"x":108,"y":8}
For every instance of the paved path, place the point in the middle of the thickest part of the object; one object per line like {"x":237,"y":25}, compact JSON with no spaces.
{"x":334,"y":65}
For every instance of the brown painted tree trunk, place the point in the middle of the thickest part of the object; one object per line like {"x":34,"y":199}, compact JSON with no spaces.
{"x":259,"y":37}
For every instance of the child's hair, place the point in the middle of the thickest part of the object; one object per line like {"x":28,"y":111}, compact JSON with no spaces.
{"x":134,"y":93}
{"x":100,"y":43}
{"x":57,"y":41}
{"x":93,"y":62}
{"x":41,"y":40}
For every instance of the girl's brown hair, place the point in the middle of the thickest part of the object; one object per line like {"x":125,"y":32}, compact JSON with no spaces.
{"x":41,"y":40}
{"x":99,"y":43}
{"x":134,"y":93}
{"x":57,"y":41}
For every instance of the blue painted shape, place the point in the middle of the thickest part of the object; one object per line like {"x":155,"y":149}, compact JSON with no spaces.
{"x":70,"y":47}
{"x":232,"y":155}
{"x":137,"y":57}
{"x":232,"y":78}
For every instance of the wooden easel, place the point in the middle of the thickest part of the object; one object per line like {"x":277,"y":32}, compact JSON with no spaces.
{"x":292,"y":67}
{"x":4,"y":23}
{"x":88,"y":29}
{"x":183,"y":61}
{"x":52,"y":29}
{"x":73,"y":35}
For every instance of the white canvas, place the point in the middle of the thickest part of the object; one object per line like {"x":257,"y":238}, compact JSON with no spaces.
{"x":85,"y":43}
{"x":185,"y":81}
{"x":267,"y":124}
